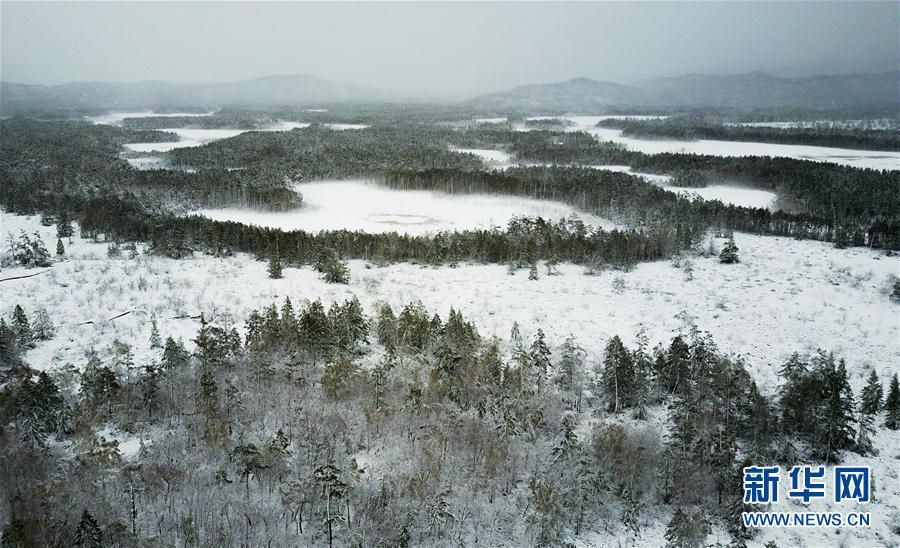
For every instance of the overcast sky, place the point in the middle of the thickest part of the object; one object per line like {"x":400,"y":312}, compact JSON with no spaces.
{"x":437,"y":49}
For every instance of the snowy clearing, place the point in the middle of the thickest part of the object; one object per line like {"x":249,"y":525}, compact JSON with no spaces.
{"x":189,"y":137}
{"x":116,"y":118}
{"x":730,"y":195}
{"x":784,"y":296}
{"x":856,"y":158}
{"x":362,"y":205}
{"x":491,"y":157}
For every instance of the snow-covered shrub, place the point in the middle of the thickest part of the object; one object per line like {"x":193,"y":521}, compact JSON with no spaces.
{"x":28,"y":251}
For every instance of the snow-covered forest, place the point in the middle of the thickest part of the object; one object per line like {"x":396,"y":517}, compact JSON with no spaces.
{"x":287,"y":311}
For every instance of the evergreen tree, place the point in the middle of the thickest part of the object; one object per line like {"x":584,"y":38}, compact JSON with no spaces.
{"x":834,"y":424}
{"x":864,"y":445}
{"x":99,"y":384}
{"x":571,"y":370}
{"x":275,"y":267}
{"x":533,"y":272}
{"x":9,"y":350}
{"x":22,"y":328}
{"x":870,"y":398}
{"x":892,"y":405}
{"x":60,"y":249}
{"x":386,"y":327}
{"x":289,"y":323}
{"x":618,"y":374}
{"x":175,"y":356}
{"x":687,"y":529}
{"x":42,"y":328}
{"x":88,"y":533}
{"x":155,"y":341}
{"x":539,"y":357}
{"x":729,"y":254}
{"x":64,"y":226}
{"x":673,"y":368}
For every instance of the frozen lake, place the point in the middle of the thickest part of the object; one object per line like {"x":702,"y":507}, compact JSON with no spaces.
{"x":856,"y":158}
{"x":116,"y":118}
{"x":188,"y":137}
{"x":362,"y":205}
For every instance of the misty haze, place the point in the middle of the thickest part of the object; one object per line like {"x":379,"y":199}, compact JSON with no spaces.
{"x":450,"y":274}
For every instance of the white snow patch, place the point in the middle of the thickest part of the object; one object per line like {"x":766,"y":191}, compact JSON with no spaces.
{"x":116,"y":118}
{"x":856,"y":158}
{"x":729,"y":195}
{"x":361,"y":205}
{"x":491,"y":157}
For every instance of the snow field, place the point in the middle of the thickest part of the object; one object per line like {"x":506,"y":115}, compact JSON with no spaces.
{"x":362,"y":205}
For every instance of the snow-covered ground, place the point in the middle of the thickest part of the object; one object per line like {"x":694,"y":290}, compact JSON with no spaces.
{"x":186,"y":138}
{"x":855,"y":158}
{"x":116,"y":118}
{"x":733,"y":195}
{"x":784,"y":296}
{"x":362,"y":205}
{"x":189,"y":137}
{"x":491,"y":157}
{"x":879,"y":123}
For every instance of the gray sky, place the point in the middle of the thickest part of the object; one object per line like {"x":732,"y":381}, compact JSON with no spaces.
{"x":437,"y":49}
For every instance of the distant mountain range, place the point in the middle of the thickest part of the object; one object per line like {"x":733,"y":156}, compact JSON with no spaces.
{"x":750,"y":90}
{"x":584,"y":95}
{"x":296,"y":89}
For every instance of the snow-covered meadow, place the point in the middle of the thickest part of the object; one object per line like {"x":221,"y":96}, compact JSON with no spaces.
{"x":362,"y":205}
{"x":784,"y":296}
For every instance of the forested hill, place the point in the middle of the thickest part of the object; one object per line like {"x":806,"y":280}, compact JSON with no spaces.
{"x":297,"y":89}
{"x":744,"y":91}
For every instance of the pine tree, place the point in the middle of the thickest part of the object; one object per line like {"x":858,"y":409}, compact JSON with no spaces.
{"x":155,"y":341}
{"x":99,"y":384}
{"x":871,"y":396}
{"x":175,"y":356}
{"x":729,"y":254}
{"x":539,"y":357}
{"x":288,"y":318}
{"x":864,"y":445}
{"x":892,"y":405}
{"x":88,"y":533}
{"x":833,"y":430}
{"x":275,"y":267}
{"x":60,"y":249}
{"x":618,"y":374}
{"x":42,"y":328}
{"x":571,"y":370}
{"x":568,"y":443}
{"x":687,"y":529}
{"x":533,"y":272}
{"x":22,"y":328}
{"x":64,"y":226}
{"x":9,"y":350}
